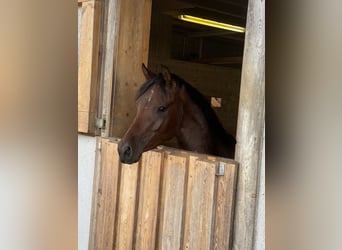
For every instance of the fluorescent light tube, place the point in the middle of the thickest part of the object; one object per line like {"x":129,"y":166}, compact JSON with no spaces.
{"x":211,"y":23}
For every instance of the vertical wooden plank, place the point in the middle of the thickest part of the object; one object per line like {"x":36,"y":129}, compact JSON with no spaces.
{"x":148,"y":200}
{"x":104,"y":202}
{"x":109,"y":34}
{"x":88,"y":65}
{"x":204,"y":222}
{"x":199,"y":208}
{"x":250,"y":125}
{"x":132,"y":51}
{"x":172,"y":199}
{"x":126,"y":208}
{"x":100,"y":190}
{"x":224,"y":207}
{"x":95,"y":197}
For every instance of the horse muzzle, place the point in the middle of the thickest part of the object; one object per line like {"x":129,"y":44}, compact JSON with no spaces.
{"x":127,"y":154}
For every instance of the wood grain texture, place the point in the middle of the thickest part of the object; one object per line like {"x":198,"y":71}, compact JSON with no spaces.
{"x":95,"y":215}
{"x":251,"y":120}
{"x":224,"y":209}
{"x":107,"y":192}
{"x":108,"y":47}
{"x":132,"y":50}
{"x":88,"y":65}
{"x":172,"y":199}
{"x":199,"y":208}
{"x":126,"y":207}
{"x":148,"y":200}
{"x":104,"y":195}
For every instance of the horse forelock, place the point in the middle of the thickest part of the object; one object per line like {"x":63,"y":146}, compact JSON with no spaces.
{"x":147,"y":85}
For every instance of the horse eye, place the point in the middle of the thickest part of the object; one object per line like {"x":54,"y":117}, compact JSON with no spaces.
{"x":162,"y":109}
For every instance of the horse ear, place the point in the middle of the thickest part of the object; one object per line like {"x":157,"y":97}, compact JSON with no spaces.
{"x":168,"y":77}
{"x":166,"y":74}
{"x":147,"y":73}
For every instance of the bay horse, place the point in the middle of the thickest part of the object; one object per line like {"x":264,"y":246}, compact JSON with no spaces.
{"x":169,"y":107}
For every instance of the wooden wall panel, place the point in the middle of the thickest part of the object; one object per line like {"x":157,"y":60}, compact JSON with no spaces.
{"x":148,"y":201}
{"x":114,"y":43}
{"x":132,"y":50}
{"x":170,"y":199}
{"x":224,"y":210}
{"x":88,"y":65}
{"x":199,"y":209}
{"x":105,"y":196}
{"x":126,"y":207}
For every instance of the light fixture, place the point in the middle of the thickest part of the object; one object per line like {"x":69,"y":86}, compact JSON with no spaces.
{"x":211,"y":23}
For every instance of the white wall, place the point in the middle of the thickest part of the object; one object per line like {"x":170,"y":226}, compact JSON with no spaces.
{"x":86,"y":162}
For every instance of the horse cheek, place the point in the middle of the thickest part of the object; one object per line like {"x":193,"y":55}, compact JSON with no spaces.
{"x":157,"y":123}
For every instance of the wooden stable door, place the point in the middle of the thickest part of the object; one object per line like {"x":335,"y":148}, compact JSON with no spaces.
{"x":171,"y":199}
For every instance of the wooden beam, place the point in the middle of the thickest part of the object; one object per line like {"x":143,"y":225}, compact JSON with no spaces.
{"x":108,"y":47}
{"x":220,"y":7}
{"x":220,"y":60}
{"x":210,"y":33}
{"x":88,"y":66}
{"x":217,"y":33}
{"x":250,"y":125}
{"x":162,"y":6}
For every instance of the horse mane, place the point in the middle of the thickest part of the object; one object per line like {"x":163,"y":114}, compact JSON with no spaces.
{"x":209,"y":114}
{"x":213,"y":122}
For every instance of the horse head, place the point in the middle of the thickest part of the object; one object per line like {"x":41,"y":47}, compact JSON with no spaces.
{"x":158,"y":117}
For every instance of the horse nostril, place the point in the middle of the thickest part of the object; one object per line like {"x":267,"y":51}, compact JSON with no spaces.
{"x":125,"y":151}
{"x":128,"y":152}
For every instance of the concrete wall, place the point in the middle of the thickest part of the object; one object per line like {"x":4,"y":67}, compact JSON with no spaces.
{"x":86,"y":162}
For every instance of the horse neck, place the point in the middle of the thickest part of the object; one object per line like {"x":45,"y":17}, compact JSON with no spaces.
{"x":194,"y":133}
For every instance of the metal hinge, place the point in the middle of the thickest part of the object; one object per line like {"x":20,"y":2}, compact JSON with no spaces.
{"x":100,"y":123}
{"x":221,"y":169}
